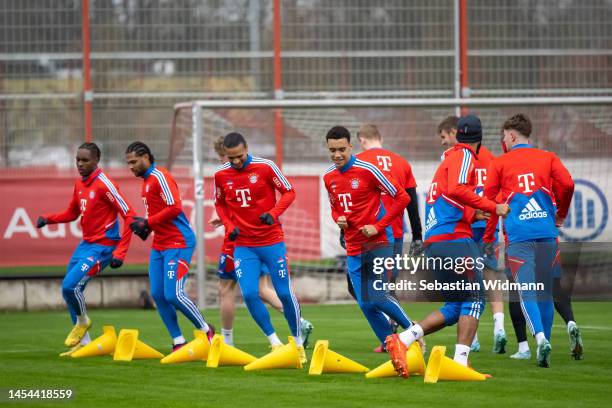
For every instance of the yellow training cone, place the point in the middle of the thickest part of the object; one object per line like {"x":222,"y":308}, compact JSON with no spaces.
{"x":440,"y":367}
{"x":325,"y":360}
{"x":101,"y":346}
{"x":222,"y":354}
{"x":414,"y":358}
{"x":286,"y":356}
{"x":130,"y":348}
{"x":195,"y":350}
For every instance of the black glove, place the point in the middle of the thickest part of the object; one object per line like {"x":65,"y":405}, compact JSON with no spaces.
{"x":116,"y":263}
{"x":140,"y":227}
{"x":489,"y":248}
{"x":41,"y":222}
{"x":416,"y":248}
{"x":342,"y":240}
{"x":234,"y":234}
{"x":266,"y":218}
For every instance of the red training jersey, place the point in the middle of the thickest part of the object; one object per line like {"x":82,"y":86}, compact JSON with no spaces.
{"x":164,"y":208}
{"x":451,"y":197}
{"x":98,"y":201}
{"x":242,"y":195}
{"x":395,"y":166}
{"x":536,"y":186}
{"x":355,"y":191}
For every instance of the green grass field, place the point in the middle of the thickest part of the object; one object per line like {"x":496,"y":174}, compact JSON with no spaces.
{"x":31,"y":343}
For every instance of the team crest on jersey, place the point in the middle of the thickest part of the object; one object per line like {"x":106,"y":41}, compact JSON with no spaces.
{"x":90,"y":259}
{"x":171,"y":263}
{"x":92,"y":194}
{"x":355,"y":184}
{"x":253,"y":178}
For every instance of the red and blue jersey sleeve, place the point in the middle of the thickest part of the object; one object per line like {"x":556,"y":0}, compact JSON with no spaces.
{"x":165,"y":212}
{"x":389,"y":186}
{"x":118,"y":205}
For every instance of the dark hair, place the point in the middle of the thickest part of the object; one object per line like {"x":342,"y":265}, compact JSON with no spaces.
{"x":140,"y":149}
{"x":519,"y":122}
{"x":93,"y":148}
{"x":337,"y":133}
{"x":448,"y":124}
{"x":234,"y":139}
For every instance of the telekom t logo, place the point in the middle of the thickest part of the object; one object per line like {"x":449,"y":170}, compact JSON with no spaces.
{"x":481,"y":177}
{"x":345,"y":201}
{"x":433,"y":187}
{"x":243,"y":196}
{"x":83,"y":205}
{"x":385,"y":162}
{"x":526,"y":181}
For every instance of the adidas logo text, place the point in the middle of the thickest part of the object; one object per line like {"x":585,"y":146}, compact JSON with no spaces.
{"x":532,"y":210}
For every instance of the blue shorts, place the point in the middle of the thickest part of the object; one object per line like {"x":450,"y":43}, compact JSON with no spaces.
{"x":227,"y":271}
{"x":490,"y":261}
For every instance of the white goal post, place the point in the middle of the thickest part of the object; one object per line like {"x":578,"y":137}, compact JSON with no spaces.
{"x":197,"y":107}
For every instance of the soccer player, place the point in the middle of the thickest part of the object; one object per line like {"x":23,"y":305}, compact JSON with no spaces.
{"x":227,"y":277}
{"x":394,"y":166}
{"x":539,"y":190}
{"x":245,"y":200}
{"x":97,"y":200}
{"x":173,"y":242}
{"x":355,"y":188}
{"x":447,"y":130}
{"x":450,"y":208}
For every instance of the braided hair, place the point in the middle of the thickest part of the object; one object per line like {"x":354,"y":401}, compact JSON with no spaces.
{"x":93,"y":149}
{"x":140,"y":149}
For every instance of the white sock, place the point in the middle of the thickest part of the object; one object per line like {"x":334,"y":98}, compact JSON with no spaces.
{"x":82,"y":320}
{"x":523,"y":347}
{"x":570,"y":324}
{"x":411,"y":334}
{"x":228,"y":336}
{"x":475,"y":338}
{"x":298,"y":340}
{"x":540,"y":337}
{"x":498,"y":322}
{"x":274,"y":340}
{"x":462,"y":352}
{"x":178,"y":340}
{"x":86,"y":339}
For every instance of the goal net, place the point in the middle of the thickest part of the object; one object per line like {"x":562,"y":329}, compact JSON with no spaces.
{"x":581,"y":134}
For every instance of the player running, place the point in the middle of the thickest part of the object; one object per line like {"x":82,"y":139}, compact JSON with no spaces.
{"x":355,"y":188}
{"x":537,"y":186}
{"x":393,"y":166}
{"x":447,"y":130}
{"x":245,"y":200}
{"x":450,"y":211}
{"x":173,"y":242}
{"x":227,"y":278}
{"x":97,"y":200}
